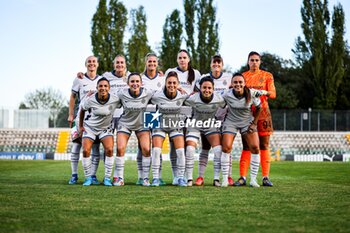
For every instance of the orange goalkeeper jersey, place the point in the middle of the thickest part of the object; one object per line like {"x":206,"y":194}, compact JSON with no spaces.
{"x":261,"y":80}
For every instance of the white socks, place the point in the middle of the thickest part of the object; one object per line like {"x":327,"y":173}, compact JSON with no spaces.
{"x":189,"y":162}
{"x":139,"y":163}
{"x":225,"y":161}
{"x":203,"y":161}
{"x":217,"y":159}
{"x":119,"y":167}
{"x":254,"y":165}
{"x":156,"y":151}
{"x":146,"y":164}
{"x":95,"y":158}
{"x":86,"y":166}
{"x":108,"y":166}
{"x":74,"y":157}
{"x":181,"y":162}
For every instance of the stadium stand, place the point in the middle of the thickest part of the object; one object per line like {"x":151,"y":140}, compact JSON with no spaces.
{"x":283,"y":144}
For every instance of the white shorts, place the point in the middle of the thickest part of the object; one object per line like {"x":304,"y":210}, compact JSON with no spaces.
{"x":123,"y":129}
{"x":194,"y":134}
{"x":228,"y":128}
{"x":88,"y":133}
{"x":172,"y":133}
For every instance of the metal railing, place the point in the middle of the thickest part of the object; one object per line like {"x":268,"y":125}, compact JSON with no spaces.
{"x":311,"y":120}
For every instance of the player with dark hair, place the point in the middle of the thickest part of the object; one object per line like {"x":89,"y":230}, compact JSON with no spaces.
{"x":154,"y":81}
{"x":260,"y":80}
{"x":134,"y":100}
{"x":204,"y":105}
{"x":240,"y":118}
{"x":169,"y":103}
{"x":222,"y":81}
{"x":97,"y":123}
{"x":188,"y":77}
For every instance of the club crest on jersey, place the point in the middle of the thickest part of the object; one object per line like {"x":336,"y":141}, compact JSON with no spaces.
{"x":143,"y":101}
{"x":224,"y":82}
{"x":178,"y":103}
{"x":159,"y":84}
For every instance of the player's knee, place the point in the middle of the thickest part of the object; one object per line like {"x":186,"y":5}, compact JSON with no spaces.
{"x":264,"y":145}
{"x":146,"y":151}
{"x":121,"y":150}
{"x":109,"y":151}
{"x":86,"y":153}
{"x":254,"y":149}
{"x":226,"y":148}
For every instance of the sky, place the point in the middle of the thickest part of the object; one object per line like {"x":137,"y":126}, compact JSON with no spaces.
{"x":45,"y":43}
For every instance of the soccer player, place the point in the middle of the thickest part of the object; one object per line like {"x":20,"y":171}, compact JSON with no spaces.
{"x":222,"y":81}
{"x":97,"y":123}
{"x":117,"y":79}
{"x":169,"y":102}
{"x":204,"y":104}
{"x":260,"y":80}
{"x":188,"y":77}
{"x":80,"y":89}
{"x":134,"y":100}
{"x":154,"y":81}
{"x":240,"y":118}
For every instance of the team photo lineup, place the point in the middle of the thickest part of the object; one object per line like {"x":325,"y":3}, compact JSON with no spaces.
{"x":185,"y":106}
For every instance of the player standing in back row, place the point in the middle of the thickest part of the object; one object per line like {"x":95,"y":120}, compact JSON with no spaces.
{"x":259,"y":80}
{"x":188,"y":78}
{"x":81,"y":87}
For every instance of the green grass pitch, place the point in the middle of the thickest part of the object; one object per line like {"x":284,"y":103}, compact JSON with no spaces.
{"x":306,"y":197}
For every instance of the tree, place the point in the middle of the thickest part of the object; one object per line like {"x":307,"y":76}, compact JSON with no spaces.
{"x":171,"y":43}
{"x":343,"y":101}
{"x":322,"y":59}
{"x":101,"y":45}
{"x":137,"y":46}
{"x":190,"y":14}
{"x":107,"y":32}
{"x":201,"y":15}
{"x":48,"y":99}
{"x":62,"y":117}
{"x":118,"y":20}
{"x":208,"y":36}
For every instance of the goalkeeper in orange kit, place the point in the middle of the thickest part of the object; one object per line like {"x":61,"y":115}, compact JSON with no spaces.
{"x":260,"y":80}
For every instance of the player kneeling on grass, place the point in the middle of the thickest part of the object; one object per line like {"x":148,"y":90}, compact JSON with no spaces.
{"x":240,"y":118}
{"x":98,"y":124}
{"x":204,"y":104}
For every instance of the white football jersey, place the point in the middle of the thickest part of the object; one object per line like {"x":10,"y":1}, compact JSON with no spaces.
{"x":171,"y":109}
{"x":99,"y":115}
{"x":132,"y":117}
{"x":183,"y":75}
{"x":117,"y":83}
{"x":203,"y":111}
{"x":239,"y":113}
{"x":155,"y":84}
{"x":221,"y":83}
{"x":82,"y":87}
